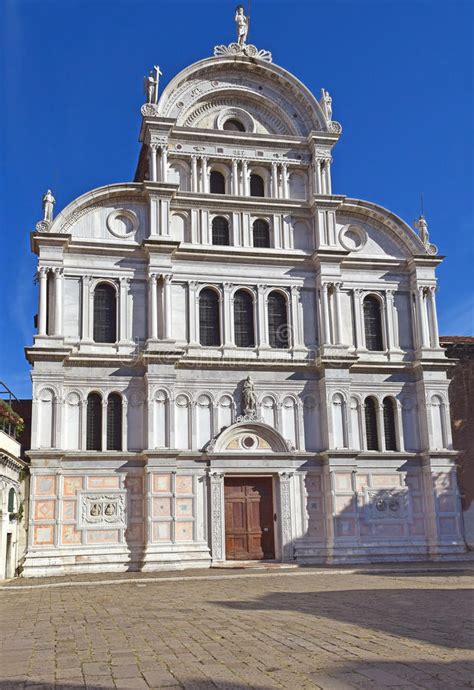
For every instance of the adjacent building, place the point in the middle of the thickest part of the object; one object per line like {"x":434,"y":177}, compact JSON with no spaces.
{"x":232,"y":361}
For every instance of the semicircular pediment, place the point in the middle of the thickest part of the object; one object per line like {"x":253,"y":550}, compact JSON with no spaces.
{"x":241,"y":79}
{"x":249,"y":437}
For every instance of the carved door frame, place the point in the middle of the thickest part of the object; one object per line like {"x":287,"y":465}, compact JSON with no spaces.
{"x":282,"y":482}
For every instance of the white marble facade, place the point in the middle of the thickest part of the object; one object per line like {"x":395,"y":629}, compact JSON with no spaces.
{"x":158,"y":501}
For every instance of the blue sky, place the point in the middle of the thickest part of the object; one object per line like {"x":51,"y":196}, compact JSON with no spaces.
{"x":399,"y":72}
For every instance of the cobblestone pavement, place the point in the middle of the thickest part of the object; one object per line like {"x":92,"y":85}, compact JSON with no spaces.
{"x":297,"y":629}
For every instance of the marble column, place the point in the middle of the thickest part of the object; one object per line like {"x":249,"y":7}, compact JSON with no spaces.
{"x":167,"y":278}
{"x":58,"y":301}
{"x":422,"y":317}
{"x":325,"y":314}
{"x":235,"y":177}
{"x":245,"y":178}
{"x":123,"y":308}
{"x":295,"y":321}
{"x":357,"y":304}
{"x":284,"y":180}
{"x":194,"y":174}
{"x":262,"y":339}
{"x":164,"y":163}
{"x":337,"y":314}
{"x":285,"y":516}
{"x":275,"y":194}
{"x":104,"y":424}
{"x":153,"y":302}
{"x":153,"y":163}
{"x":433,"y":318}
{"x":380,"y":426}
{"x":43,"y":299}
{"x":227,"y":316}
{"x":193,"y":307}
{"x":85,"y":315}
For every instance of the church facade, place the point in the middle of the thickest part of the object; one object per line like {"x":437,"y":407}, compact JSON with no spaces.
{"x":232,"y":361}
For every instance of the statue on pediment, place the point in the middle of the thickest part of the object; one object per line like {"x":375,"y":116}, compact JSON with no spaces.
{"x":326,"y":102}
{"x":242,"y":24}
{"x":48,"y":206}
{"x":249,"y":399}
{"x":150,"y":85}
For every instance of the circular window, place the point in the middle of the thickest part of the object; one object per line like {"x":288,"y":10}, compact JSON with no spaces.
{"x":249,"y":442}
{"x":353,"y":238}
{"x":122,"y":222}
{"x":233,"y":125}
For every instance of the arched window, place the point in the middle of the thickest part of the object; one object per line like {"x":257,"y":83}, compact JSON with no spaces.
{"x":209,"y":321}
{"x":261,"y":233}
{"x":105,"y":314}
{"x":389,"y":424}
{"x":11,"y":501}
{"x":243,"y":319}
{"x":220,"y":231}
{"x":114,"y":422}
{"x":277,"y":320}
{"x":233,"y":125}
{"x":94,"y":422}
{"x":373,"y":323}
{"x":257,"y":186}
{"x":217,"y":182}
{"x":371,"y":424}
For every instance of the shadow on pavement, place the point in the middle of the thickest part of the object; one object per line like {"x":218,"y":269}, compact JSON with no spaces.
{"x":420,"y":614}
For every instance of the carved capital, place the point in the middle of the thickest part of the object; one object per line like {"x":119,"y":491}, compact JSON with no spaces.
{"x":167,"y":278}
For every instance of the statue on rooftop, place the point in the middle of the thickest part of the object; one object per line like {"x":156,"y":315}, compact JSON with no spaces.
{"x":326,"y":102}
{"x":422,"y":227}
{"x":48,"y":204}
{"x":242,"y":23}
{"x":150,"y":85}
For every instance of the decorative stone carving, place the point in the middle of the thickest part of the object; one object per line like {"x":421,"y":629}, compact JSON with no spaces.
{"x":285,"y":515}
{"x":102,"y":509}
{"x":234,"y":50}
{"x":217,"y":517}
{"x":390,"y":504}
{"x":149,"y":110}
{"x":122,"y":223}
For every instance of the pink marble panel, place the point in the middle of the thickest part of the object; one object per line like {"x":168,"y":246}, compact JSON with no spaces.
{"x":43,"y":535}
{"x":70,"y":536}
{"x":161,"y":483}
{"x":105,"y":536}
{"x":134,"y":532}
{"x":103,"y":482}
{"x":388,"y":529}
{"x":315,"y":505}
{"x":71,"y":485}
{"x":45,"y":485}
{"x":44,"y":510}
{"x":69,"y":510}
{"x":161,"y":506}
{"x":184,"y":484}
{"x":161,"y":531}
{"x":184,"y":531}
{"x":316,"y":528}
{"x":136,"y":508}
{"x":184,"y":507}
{"x":362,"y":480}
{"x":417,"y":504}
{"x":386,"y":480}
{"x":134,"y":484}
{"x":344,"y":503}
{"x":345,"y":527}
{"x":447,"y":526}
{"x":343,"y":481}
{"x":313,"y":484}
{"x":447,"y":503}
{"x":417,"y":527}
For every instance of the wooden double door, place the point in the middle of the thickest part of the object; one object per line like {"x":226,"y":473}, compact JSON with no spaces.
{"x":249,"y":533}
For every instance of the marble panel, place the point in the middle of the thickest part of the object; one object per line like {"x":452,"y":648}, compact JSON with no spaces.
{"x":161,"y":483}
{"x":45,"y":485}
{"x":71,"y":485}
{"x":43,"y":535}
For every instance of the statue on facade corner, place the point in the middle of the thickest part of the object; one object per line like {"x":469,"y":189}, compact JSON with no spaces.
{"x":48,"y":205}
{"x":150,"y":85}
{"x":249,"y":399}
{"x":242,"y":23}
{"x":326,"y":102}
{"x":422,"y":227}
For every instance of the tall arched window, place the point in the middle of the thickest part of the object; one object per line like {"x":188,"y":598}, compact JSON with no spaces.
{"x":11,"y":501}
{"x":94,"y":422}
{"x":277,"y":320}
{"x":261,"y":233}
{"x":114,"y":422}
{"x":105,"y":313}
{"x":371,"y":424}
{"x":257,"y":185}
{"x":209,"y":321}
{"x":389,"y":424}
{"x":217,"y":182}
{"x":243,"y":319}
{"x":220,"y":231}
{"x":373,"y":323}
